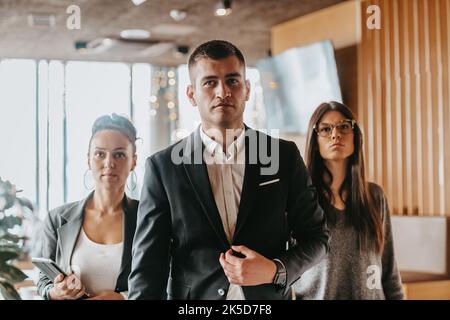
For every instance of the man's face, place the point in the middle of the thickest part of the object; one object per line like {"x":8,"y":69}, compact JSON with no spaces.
{"x":219,"y":90}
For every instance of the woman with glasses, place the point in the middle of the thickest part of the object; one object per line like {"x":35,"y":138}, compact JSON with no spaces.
{"x":91,"y":239}
{"x":361,"y":262}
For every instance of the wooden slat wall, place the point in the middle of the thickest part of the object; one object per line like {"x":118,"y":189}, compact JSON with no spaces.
{"x":403,"y":103}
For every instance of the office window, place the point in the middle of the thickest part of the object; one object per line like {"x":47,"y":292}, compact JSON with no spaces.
{"x":92,"y":89}
{"x":47,"y":109}
{"x":18,"y":125}
{"x":141,"y":119}
{"x":56,"y":134}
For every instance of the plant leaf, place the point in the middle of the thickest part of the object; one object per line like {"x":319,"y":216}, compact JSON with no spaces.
{"x":12,"y":237}
{"x":7,"y":254}
{"x":10,"y":221}
{"x":25,"y":203}
{"x":11,"y":274}
{"x":7,"y":195}
{"x":8,"y":246}
{"x":8,"y":291}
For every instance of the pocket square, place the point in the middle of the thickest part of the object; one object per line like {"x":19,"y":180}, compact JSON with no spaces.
{"x":268,"y":182}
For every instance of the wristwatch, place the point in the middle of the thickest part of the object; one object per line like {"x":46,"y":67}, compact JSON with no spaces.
{"x":281,"y":275}
{"x":124,"y":294}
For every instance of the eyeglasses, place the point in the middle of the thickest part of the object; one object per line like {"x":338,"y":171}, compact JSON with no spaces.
{"x":344,"y":127}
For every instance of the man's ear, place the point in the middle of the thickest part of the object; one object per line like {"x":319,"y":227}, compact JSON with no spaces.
{"x":190,"y":95}
{"x":247,"y":86}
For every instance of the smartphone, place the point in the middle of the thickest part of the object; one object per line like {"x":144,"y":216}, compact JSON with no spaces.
{"x":51,"y":270}
{"x":48,"y":267}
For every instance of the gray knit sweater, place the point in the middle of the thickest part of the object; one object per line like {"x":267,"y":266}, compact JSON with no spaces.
{"x":348,"y":274}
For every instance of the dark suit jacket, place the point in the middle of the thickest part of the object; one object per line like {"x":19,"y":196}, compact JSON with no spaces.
{"x":179,"y":227}
{"x":61,"y":230}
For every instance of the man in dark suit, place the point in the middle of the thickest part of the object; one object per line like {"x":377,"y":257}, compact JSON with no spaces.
{"x":218,"y":208}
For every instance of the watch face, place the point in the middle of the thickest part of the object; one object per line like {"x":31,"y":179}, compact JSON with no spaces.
{"x":281,"y":278}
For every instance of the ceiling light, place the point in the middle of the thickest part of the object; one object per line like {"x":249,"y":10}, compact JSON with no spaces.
{"x":41,"y":20}
{"x":135,"y":34}
{"x":183,"y":49}
{"x":223,"y":8}
{"x":138,"y":2}
{"x":180,"y":52}
{"x":96,"y":45}
{"x":178,"y":15}
{"x":100,"y":44}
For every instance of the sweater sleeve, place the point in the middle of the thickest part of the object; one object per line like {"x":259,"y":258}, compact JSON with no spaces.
{"x":391,"y":281}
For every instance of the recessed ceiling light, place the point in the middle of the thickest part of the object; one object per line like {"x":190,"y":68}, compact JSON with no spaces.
{"x":135,"y":34}
{"x":223,"y":8}
{"x":138,"y":2}
{"x":178,"y":15}
{"x":96,"y":45}
{"x":41,"y":20}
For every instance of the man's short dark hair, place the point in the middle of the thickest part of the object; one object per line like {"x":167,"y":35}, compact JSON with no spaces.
{"x":216,"y":50}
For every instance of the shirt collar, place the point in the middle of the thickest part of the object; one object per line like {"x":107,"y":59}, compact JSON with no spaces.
{"x":213,"y":147}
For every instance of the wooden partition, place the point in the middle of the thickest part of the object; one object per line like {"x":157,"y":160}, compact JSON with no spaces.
{"x":339,"y":24}
{"x":403,"y":103}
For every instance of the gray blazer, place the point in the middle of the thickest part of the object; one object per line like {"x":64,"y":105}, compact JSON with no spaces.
{"x":61,"y":230}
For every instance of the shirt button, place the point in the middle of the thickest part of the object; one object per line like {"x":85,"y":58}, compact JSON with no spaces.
{"x":221,"y":292}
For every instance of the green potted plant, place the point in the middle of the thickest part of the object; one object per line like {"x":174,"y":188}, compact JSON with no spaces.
{"x":12,"y":212}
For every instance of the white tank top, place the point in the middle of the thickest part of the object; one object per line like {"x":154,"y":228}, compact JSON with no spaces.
{"x":96,"y":265}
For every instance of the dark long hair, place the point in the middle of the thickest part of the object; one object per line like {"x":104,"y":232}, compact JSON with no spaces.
{"x":365,"y":217}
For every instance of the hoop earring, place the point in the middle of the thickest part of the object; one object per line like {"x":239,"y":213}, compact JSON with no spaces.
{"x":84,"y":181}
{"x":133,"y":181}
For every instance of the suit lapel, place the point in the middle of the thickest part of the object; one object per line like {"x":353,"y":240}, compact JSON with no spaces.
{"x":68,"y":233}
{"x":198,"y":177}
{"x":129,"y":226}
{"x":250,"y":185}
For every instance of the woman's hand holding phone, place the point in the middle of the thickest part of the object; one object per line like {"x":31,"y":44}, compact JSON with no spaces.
{"x":67,"y":288}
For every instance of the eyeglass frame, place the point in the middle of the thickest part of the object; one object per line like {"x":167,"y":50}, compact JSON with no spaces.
{"x":352,"y":121}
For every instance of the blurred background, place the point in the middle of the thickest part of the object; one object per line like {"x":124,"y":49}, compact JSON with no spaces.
{"x":65,"y":62}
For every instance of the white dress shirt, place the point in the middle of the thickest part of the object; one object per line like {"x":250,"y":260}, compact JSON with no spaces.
{"x":226,"y":176}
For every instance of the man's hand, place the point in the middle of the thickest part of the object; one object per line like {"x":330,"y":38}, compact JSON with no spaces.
{"x":252,"y":270}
